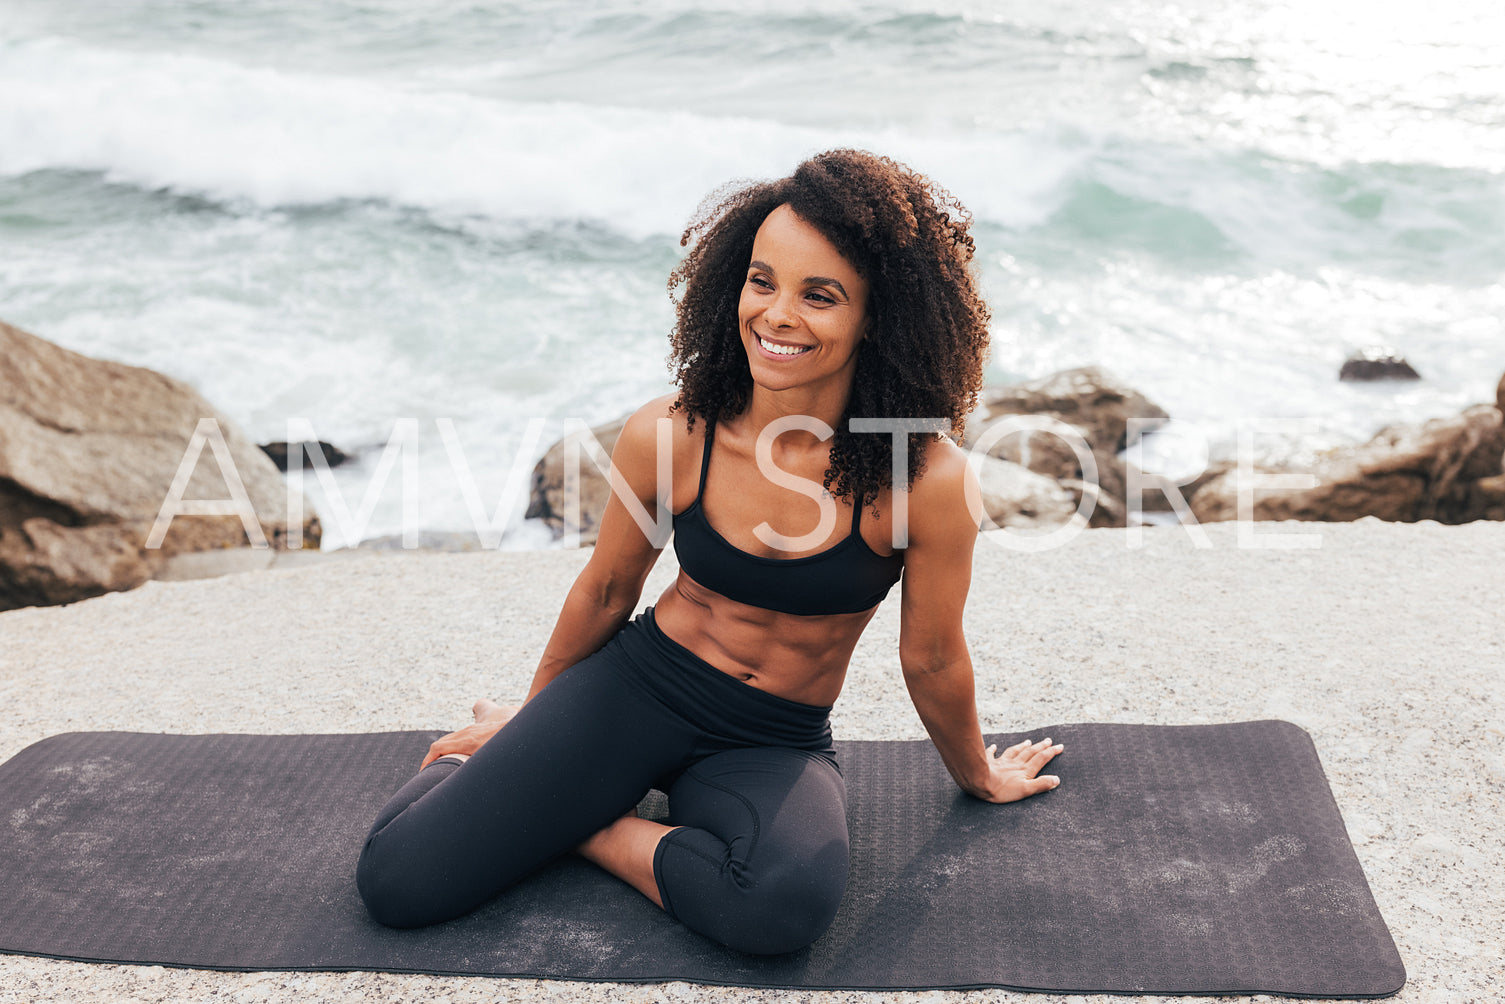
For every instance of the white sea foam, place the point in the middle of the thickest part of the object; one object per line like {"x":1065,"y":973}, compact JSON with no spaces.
{"x":275,"y":138}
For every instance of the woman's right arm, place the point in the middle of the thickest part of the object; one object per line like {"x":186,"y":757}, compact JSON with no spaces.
{"x":607,"y":590}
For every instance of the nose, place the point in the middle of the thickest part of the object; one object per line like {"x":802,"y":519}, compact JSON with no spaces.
{"x":781,"y":314}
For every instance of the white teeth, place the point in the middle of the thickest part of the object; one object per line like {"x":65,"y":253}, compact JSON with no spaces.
{"x":781,"y":350}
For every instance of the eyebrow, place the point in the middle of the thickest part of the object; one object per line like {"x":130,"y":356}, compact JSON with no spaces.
{"x":810,"y":280}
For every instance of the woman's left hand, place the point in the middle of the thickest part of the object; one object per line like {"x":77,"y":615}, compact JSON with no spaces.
{"x":490,"y":717}
{"x":1015,"y":773}
{"x":464,"y":741}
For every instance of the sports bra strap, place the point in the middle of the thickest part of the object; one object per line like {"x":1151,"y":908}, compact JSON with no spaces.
{"x":705,"y":459}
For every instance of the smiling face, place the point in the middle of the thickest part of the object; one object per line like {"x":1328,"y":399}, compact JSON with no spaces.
{"x":803,"y":309}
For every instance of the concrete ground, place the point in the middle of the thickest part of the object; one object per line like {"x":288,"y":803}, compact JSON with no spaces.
{"x":1386,"y":642}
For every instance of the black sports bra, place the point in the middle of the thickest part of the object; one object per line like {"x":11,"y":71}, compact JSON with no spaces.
{"x":848,"y":577}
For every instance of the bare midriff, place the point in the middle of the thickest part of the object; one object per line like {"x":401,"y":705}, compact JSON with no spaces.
{"x":796,"y":657}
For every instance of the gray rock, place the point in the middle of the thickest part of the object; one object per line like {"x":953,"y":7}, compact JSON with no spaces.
{"x":1444,"y":469}
{"x":1048,"y":454}
{"x":43,"y":563}
{"x":546,"y":498}
{"x":333,"y":455}
{"x":1089,"y":403}
{"x":1014,"y":497}
{"x":1377,"y":363}
{"x":88,"y":453}
{"x":1089,"y":398}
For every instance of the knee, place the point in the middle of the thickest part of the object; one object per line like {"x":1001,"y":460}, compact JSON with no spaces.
{"x":786,"y":909}
{"x":394,"y":892}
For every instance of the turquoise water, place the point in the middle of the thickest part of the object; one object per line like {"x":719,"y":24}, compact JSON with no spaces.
{"x":359,"y":212}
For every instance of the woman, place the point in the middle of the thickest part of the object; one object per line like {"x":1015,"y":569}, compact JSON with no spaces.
{"x":842,"y":292}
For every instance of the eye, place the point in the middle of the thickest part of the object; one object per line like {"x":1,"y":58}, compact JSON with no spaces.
{"x":759,"y":281}
{"x":820,"y":297}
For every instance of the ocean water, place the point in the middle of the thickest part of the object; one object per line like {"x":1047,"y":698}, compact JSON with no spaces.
{"x":355,"y":212}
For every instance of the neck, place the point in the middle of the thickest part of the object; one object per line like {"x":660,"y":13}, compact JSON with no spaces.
{"x":766,"y":406}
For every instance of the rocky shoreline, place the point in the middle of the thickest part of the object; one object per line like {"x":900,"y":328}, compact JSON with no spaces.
{"x":91,"y":450}
{"x":1050,"y":453}
{"x":94,"y":455}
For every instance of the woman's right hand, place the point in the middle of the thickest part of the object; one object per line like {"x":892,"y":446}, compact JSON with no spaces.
{"x":490,"y":717}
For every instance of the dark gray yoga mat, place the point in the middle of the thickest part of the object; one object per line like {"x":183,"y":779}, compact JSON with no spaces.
{"x":1203,"y":859}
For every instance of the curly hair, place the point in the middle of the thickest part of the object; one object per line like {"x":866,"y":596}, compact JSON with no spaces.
{"x":927,"y":333}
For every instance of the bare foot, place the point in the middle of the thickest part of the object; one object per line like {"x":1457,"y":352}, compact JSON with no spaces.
{"x":487,"y":710}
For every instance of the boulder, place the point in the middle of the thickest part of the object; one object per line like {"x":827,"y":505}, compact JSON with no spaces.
{"x":1016,"y":498}
{"x":1156,"y":491}
{"x":1088,"y":397}
{"x":1377,"y":363}
{"x":333,"y":455}
{"x":1443,"y":469}
{"x":1487,"y":497}
{"x":1049,"y":455}
{"x":546,"y":499}
{"x":43,"y":563}
{"x":1095,"y":406}
{"x":88,"y":453}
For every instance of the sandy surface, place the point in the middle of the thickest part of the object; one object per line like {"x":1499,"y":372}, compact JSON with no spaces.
{"x":1386,"y":642}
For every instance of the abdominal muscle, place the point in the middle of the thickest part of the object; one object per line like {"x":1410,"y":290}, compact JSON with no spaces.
{"x":793,"y":656}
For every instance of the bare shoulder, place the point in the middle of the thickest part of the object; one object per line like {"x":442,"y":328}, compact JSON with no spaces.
{"x":636,"y":455}
{"x":945,"y":466}
{"x":639,"y":437}
{"x":643,"y":423}
{"x":943,"y":479}
{"x":939,"y":503}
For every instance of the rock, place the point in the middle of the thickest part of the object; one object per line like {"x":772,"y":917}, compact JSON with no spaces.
{"x":1016,"y":498}
{"x":43,"y":563}
{"x":1156,"y":491}
{"x":1377,"y":363}
{"x":1096,"y":407}
{"x":1487,"y":497}
{"x":1442,"y":470}
{"x":1500,"y":406}
{"x":1088,"y":397}
{"x":1048,"y":454}
{"x":88,"y":453}
{"x":333,"y":455}
{"x":546,"y":499}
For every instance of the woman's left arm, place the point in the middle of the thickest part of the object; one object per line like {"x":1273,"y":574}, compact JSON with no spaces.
{"x":932,"y":646}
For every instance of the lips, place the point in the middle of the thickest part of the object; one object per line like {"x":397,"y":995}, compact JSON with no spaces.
{"x":777,"y":349}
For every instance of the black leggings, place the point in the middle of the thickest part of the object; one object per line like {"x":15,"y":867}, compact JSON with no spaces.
{"x":758,"y":860}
